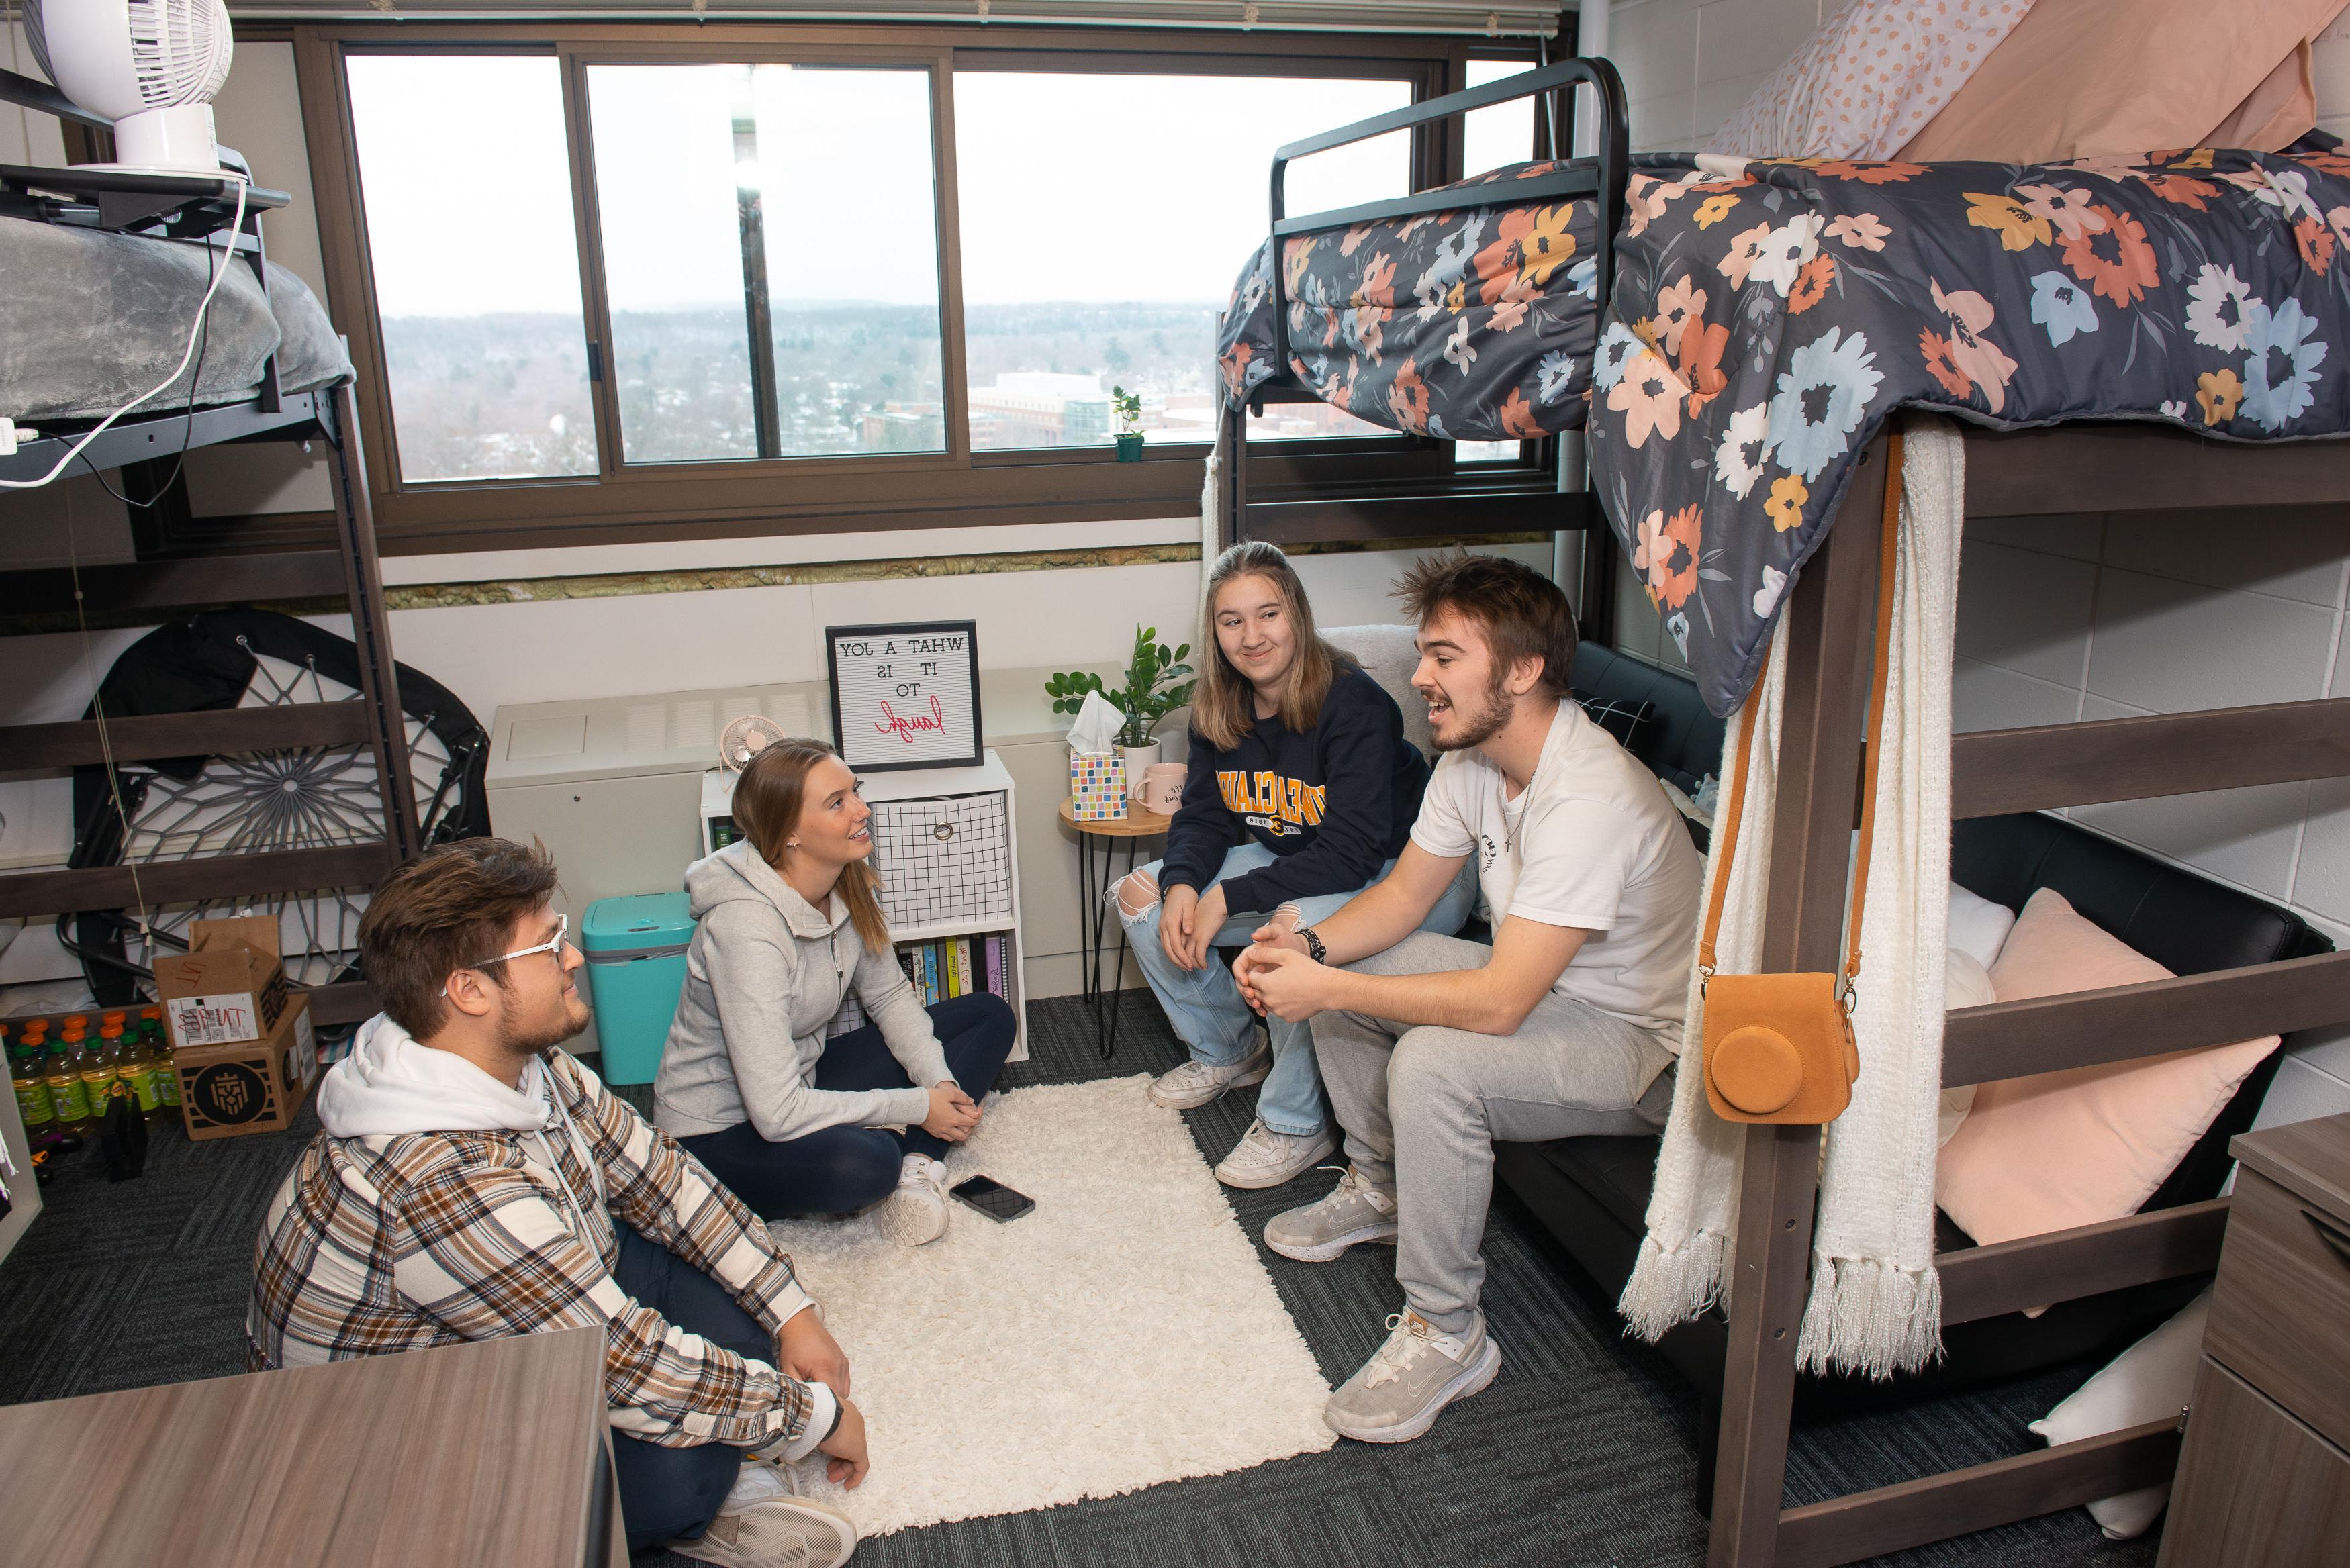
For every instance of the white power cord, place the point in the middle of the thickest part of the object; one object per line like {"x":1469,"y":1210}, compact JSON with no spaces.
{"x":196,"y":330}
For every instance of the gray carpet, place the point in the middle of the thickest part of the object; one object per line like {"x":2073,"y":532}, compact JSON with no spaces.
{"x":1581,"y":1453}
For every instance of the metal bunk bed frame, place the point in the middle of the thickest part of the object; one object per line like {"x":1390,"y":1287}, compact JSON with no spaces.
{"x":349,"y":571}
{"x":1391,"y":516}
{"x":2101,"y":467}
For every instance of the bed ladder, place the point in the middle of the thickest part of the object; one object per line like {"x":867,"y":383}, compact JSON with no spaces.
{"x":1994,"y":773}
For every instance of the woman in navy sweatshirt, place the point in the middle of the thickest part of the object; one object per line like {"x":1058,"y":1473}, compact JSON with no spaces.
{"x":1302,"y":792}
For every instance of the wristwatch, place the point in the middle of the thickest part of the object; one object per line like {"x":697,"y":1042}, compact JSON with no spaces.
{"x":1314,"y":947}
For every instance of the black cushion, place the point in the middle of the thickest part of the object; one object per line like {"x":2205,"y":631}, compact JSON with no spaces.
{"x":1625,"y":720}
{"x":1682,"y":742}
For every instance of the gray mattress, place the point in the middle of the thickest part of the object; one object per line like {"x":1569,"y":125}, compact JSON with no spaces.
{"x":90,"y":320}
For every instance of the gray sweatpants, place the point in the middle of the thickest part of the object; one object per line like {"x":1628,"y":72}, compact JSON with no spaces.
{"x":1422,"y":1107}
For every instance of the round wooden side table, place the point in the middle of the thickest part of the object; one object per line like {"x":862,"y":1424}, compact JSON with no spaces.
{"x":1094,"y":914}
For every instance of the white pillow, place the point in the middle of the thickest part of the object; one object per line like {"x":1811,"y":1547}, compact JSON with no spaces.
{"x":2150,"y":1381}
{"x":1979,"y":928}
{"x":1969,"y":985}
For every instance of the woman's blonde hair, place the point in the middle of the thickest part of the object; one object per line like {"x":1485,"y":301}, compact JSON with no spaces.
{"x":1224,"y":706}
{"x":768,"y":799}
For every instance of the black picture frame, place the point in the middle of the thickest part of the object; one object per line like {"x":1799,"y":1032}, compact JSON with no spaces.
{"x":856,"y":752}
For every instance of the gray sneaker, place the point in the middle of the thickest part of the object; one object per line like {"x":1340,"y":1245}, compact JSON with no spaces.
{"x":1196,"y":1083}
{"x":1399,"y":1391}
{"x":1264,"y":1158}
{"x":764,"y":1523}
{"x":1353,"y":1212}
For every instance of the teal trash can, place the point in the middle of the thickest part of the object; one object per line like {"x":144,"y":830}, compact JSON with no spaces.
{"x":635,"y":972}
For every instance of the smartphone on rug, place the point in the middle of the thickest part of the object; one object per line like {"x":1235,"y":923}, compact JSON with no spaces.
{"x":992,"y":1198}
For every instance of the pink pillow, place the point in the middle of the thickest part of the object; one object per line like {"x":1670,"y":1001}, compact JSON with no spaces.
{"x":2061,"y":1149}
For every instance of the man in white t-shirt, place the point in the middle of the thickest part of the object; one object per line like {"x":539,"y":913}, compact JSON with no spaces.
{"x":1433,"y":1048}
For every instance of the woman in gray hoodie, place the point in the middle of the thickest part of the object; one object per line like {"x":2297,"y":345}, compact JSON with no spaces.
{"x":788,"y":927}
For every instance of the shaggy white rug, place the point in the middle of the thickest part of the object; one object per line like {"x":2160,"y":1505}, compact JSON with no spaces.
{"x":1121,"y":1334}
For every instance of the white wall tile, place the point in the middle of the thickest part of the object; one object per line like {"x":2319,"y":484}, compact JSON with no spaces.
{"x":2075,"y":535}
{"x":1665,"y":123}
{"x":2171,"y":646}
{"x":2290,"y":553}
{"x":2246,"y":836}
{"x":1737,"y":37}
{"x":2323,"y":884}
{"x":2027,"y":612}
{"x":1991,"y":697}
{"x":1653,"y":48}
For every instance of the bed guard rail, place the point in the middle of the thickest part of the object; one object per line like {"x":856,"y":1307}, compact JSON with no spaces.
{"x":1601,"y":177}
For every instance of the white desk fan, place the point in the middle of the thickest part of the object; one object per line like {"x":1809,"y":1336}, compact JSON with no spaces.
{"x":150,"y":66}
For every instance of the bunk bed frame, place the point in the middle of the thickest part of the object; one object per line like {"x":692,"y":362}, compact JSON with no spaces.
{"x":2103,"y":467}
{"x":2109,"y":467}
{"x":195,"y":208}
{"x":1509,"y":508}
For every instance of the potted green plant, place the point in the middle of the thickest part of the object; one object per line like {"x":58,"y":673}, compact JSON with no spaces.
{"x":1128,"y":407}
{"x":1158,"y":682}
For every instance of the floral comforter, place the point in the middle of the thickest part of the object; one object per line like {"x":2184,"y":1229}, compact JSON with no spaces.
{"x":1764,"y":323}
{"x":1472,"y":325}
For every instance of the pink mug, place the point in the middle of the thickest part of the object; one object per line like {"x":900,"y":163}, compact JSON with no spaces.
{"x":1162,"y":787}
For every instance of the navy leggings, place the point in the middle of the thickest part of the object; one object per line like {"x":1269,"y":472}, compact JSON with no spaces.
{"x":836,"y":1169}
{"x":666,"y":1493}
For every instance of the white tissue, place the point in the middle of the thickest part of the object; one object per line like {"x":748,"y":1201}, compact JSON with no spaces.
{"x":1095,"y":734}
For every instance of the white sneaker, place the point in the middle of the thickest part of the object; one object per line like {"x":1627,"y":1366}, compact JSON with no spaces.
{"x":1264,"y":1158}
{"x":1196,"y":1083}
{"x":1410,"y":1380}
{"x":917,"y":1211}
{"x":763,"y":1524}
{"x":1348,"y":1215}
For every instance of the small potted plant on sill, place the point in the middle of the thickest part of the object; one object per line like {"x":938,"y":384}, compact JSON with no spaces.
{"x":1128,"y":407}
{"x":1158,"y":682}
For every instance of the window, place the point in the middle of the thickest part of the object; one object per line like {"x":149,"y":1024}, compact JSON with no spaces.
{"x":1104,"y":220}
{"x":636,"y":282}
{"x":771,"y":260}
{"x":484,"y":345}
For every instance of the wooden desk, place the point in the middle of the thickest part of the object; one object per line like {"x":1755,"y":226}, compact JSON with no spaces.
{"x":2264,"y":1477}
{"x":491,"y":1453}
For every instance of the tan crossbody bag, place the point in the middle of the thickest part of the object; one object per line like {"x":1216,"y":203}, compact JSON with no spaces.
{"x":1779,"y":1047}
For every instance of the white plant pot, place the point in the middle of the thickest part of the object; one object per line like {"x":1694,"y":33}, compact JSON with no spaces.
{"x":1136,"y":759}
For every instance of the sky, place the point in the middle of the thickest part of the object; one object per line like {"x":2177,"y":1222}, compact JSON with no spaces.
{"x":1071,"y":187}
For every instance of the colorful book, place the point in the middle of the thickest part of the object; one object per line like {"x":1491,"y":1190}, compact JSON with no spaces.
{"x":965,"y":981}
{"x":953,"y":968}
{"x":929,"y":974}
{"x":995,"y":946}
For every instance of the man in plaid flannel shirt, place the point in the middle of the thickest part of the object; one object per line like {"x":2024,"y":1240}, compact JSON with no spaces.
{"x":472,"y":1182}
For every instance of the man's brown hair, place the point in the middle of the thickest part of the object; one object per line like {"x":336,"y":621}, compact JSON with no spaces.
{"x":447,"y":909}
{"x":1523,"y":613}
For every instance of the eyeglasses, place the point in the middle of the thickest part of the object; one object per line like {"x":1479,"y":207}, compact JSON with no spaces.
{"x":554,"y":945}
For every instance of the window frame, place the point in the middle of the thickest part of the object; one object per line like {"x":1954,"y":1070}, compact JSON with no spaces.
{"x":625,"y":502}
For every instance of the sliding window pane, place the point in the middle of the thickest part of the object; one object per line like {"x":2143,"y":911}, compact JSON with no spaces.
{"x":484,"y":344}
{"x":770,"y":249}
{"x":1104,"y":219}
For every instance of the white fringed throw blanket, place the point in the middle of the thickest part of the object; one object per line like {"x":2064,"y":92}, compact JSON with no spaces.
{"x":1876,"y":1301}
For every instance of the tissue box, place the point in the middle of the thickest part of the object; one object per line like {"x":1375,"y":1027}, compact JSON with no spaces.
{"x":1097,"y":787}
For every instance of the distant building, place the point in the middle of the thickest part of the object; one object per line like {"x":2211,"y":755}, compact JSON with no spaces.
{"x":1041,"y":407}
{"x":904,"y":427}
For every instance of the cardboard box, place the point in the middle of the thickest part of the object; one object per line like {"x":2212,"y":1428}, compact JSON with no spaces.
{"x":251,"y":1088}
{"x":228,"y":987}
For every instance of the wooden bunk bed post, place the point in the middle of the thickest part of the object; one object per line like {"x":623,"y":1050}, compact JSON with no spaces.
{"x":1827,"y":661}
{"x":370,"y":625}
